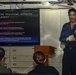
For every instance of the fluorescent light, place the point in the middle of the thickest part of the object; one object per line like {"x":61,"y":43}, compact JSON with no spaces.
{"x":44,"y":0}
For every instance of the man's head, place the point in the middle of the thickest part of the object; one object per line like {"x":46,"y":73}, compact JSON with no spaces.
{"x":39,"y":57}
{"x":2,"y":53}
{"x":72,"y":15}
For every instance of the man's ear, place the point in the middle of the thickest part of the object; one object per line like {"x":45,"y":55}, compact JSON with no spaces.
{"x":2,"y":59}
{"x":44,"y":60}
{"x":34,"y":63}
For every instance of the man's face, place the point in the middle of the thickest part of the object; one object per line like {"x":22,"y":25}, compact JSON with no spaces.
{"x":72,"y":17}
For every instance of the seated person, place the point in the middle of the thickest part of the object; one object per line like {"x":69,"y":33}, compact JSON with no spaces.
{"x":40,"y":68}
{"x":3,"y":69}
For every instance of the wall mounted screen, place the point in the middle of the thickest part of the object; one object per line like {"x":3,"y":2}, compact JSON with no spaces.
{"x":19,"y":27}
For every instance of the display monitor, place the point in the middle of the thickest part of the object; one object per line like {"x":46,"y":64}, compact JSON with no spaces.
{"x":19,"y":27}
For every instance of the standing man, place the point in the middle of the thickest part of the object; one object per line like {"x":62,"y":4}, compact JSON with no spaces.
{"x":68,"y":37}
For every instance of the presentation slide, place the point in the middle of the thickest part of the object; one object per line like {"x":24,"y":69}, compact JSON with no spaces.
{"x":19,"y":26}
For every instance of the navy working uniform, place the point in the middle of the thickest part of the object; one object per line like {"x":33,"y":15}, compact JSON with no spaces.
{"x":69,"y":57}
{"x":42,"y":69}
{"x":4,"y":69}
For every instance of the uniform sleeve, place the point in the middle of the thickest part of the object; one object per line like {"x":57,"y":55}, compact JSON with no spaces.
{"x":75,"y":31}
{"x":9,"y":70}
{"x":53,"y":70}
{"x":63,"y":35}
{"x":32,"y":72}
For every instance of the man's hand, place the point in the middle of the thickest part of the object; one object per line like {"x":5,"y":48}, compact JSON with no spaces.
{"x":70,"y":38}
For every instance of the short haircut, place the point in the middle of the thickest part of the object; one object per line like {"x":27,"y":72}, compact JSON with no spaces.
{"x":71,"y":10}
{"x":39,"y":57}
{"x":2,"y":53}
